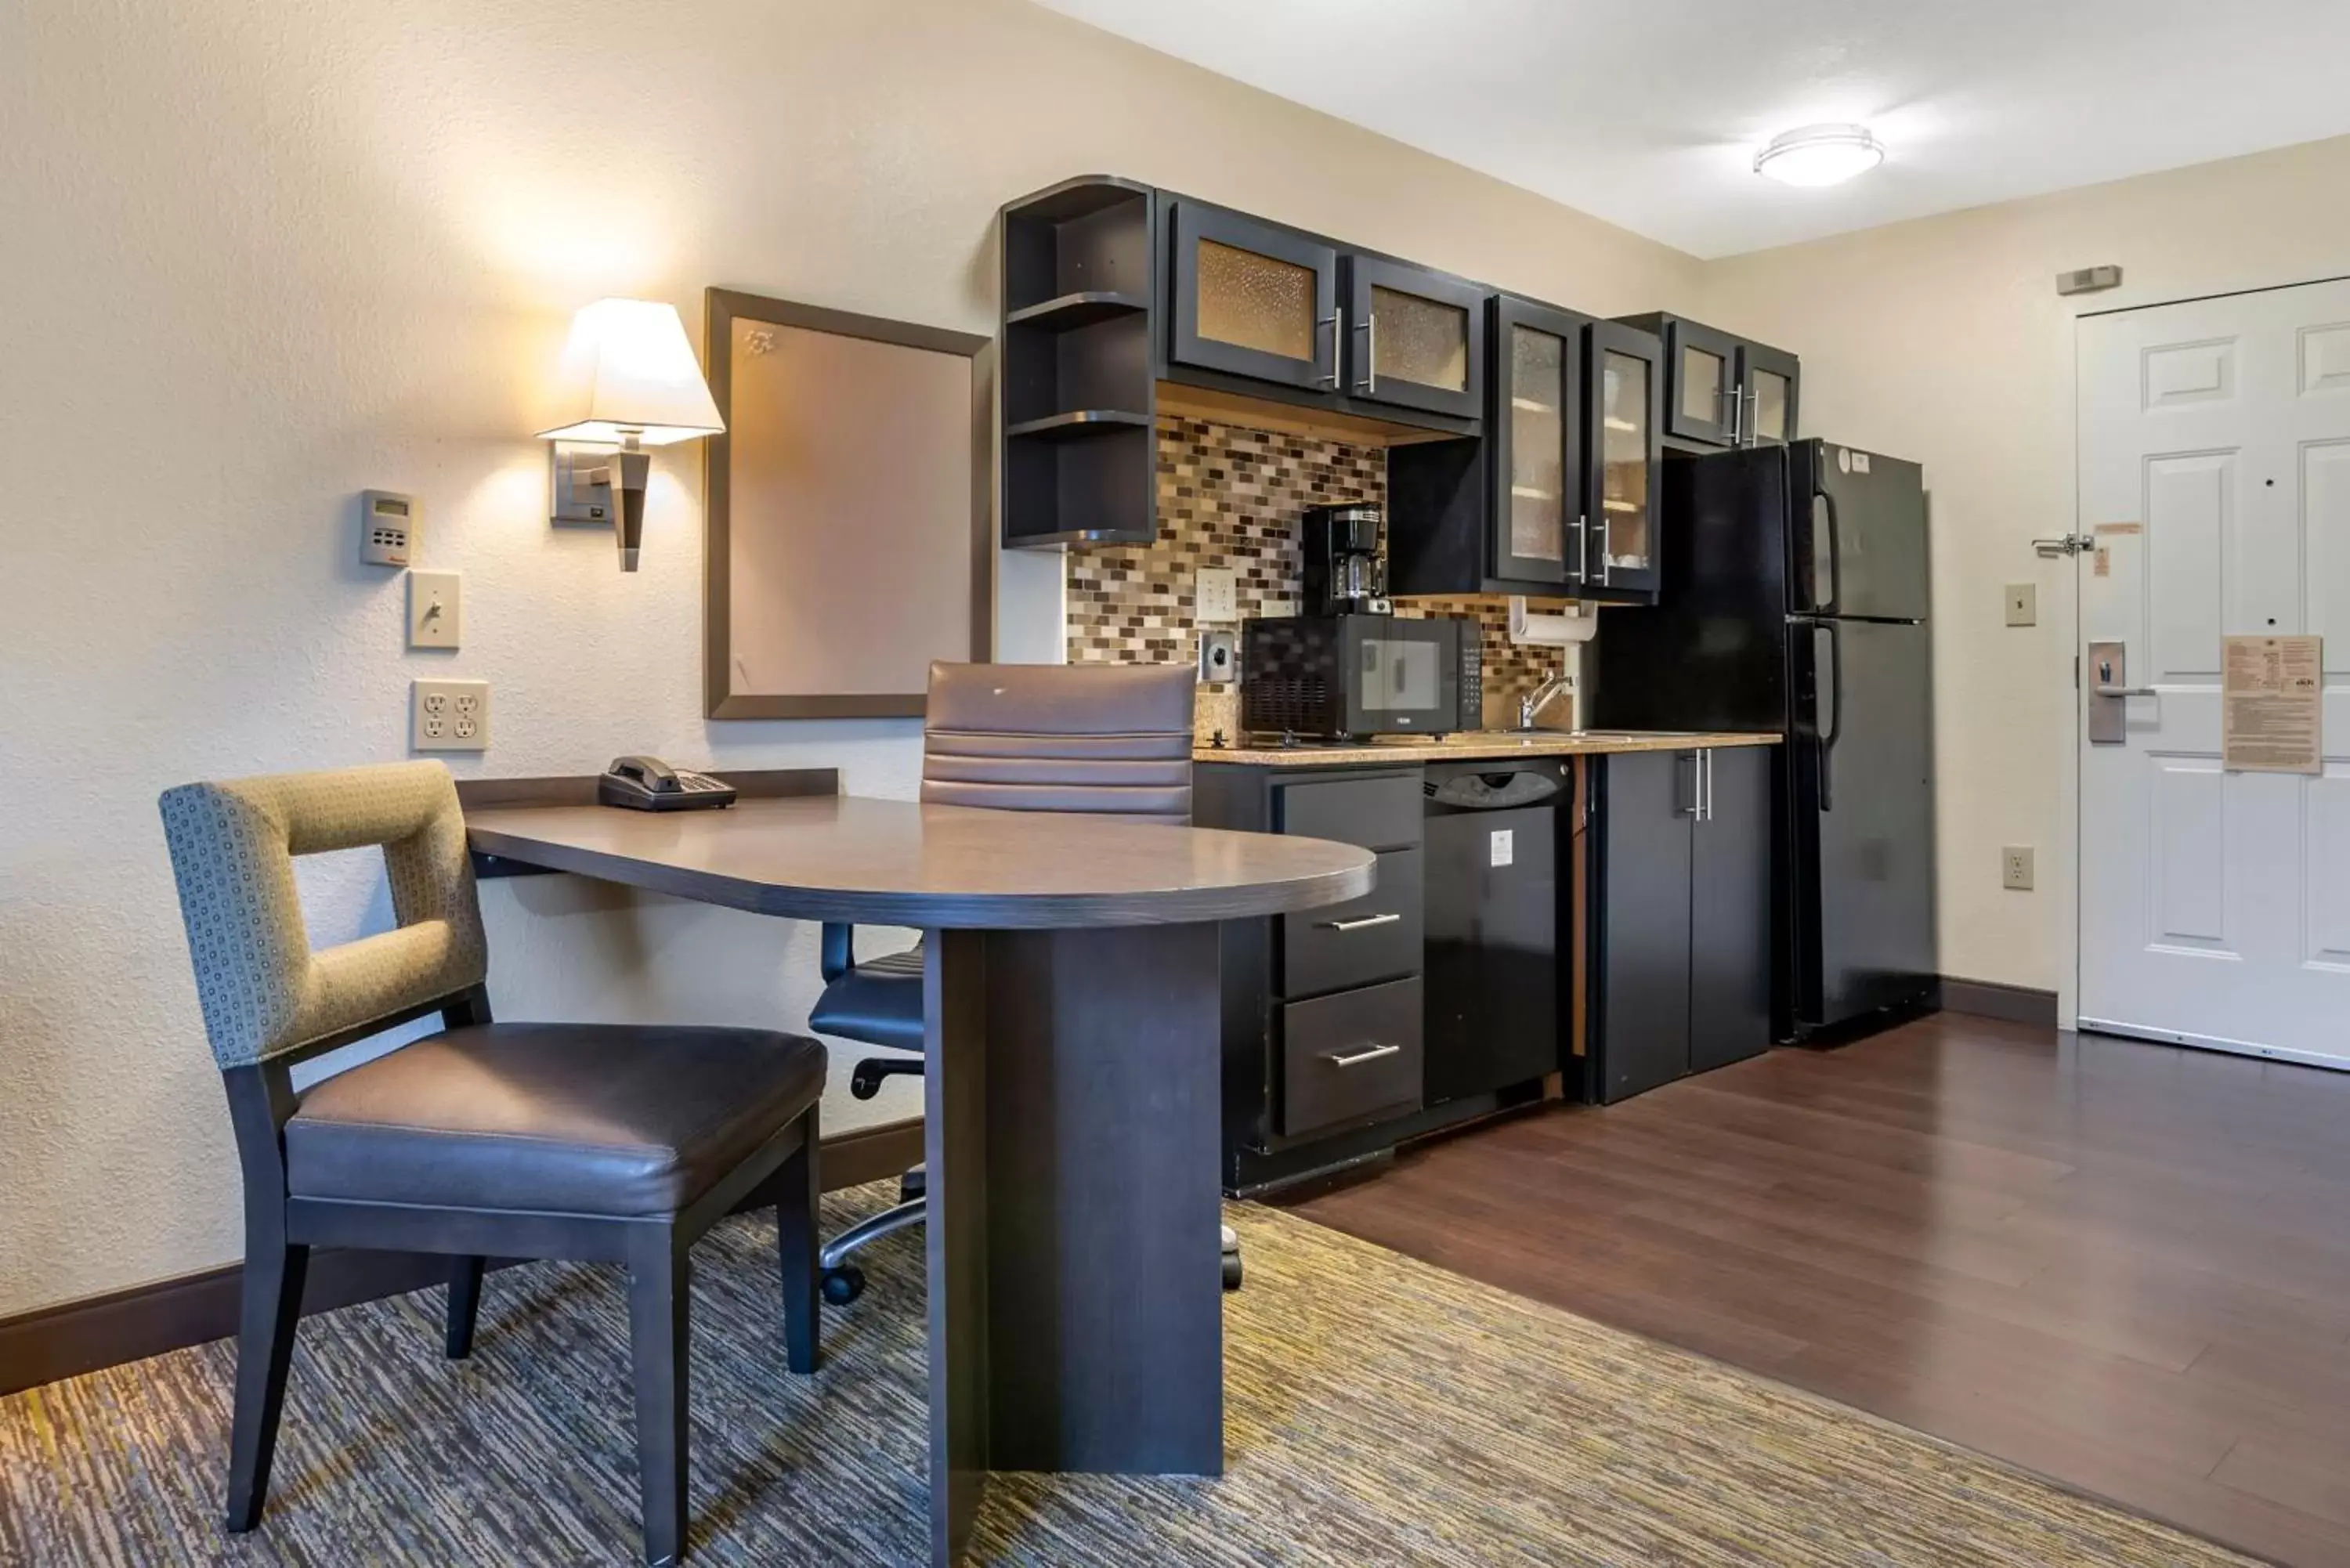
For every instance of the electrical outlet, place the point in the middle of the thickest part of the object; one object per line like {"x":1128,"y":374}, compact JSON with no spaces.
{"x":2022,"y":604}
{"x":1215,"y":595}
{"x":436,"y":608}
{"x":1216,"y":658}
{"x":2015,"y":867}
{"x":449,"y":715}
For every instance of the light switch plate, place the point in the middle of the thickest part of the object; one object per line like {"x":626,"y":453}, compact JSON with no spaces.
{"x":2015,"y":867}
{"x":436,"y":608}
{"x":449,"y":715}
{"x":1215,"y":595}
{"x":2022,"y":604}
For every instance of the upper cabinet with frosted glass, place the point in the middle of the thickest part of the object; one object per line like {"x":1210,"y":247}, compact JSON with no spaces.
{"x":1721,"y":391}
{"x":1559,"y":498}
{"x":1258,"y":309}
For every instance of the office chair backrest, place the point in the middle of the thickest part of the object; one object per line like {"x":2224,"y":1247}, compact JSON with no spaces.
{"x":1112,"y":739}
{"x":265,"y":992}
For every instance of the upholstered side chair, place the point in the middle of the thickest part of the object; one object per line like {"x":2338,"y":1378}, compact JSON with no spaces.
{"x":481,"y":1139}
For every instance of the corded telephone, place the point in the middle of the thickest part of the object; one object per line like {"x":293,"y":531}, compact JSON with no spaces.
{"x":649,"y":783}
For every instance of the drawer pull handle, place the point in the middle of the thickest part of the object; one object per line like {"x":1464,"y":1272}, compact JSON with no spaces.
{"x":1363,"y":922}
{"x":1359,"y":1057}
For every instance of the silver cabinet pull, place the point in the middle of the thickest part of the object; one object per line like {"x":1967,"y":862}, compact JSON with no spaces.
{"x":1336,"y":322}
{"x":1605,"y":529}
{"x":1369,"y":384}
{"x":1362,"y":922}
{"x":1705,"y":785}
{"x":1583,"y":546}
{"x":1359,"y":1057}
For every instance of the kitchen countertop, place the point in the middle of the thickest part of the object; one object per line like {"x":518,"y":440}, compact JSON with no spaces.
{"x":1475,"y":745}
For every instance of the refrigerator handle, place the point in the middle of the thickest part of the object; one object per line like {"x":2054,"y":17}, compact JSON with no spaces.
{"x":1835,"y":555}
{"x":1827,"y":738}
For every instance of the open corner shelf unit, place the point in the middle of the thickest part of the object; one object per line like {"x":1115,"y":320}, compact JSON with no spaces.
{"x":1078,"y":402}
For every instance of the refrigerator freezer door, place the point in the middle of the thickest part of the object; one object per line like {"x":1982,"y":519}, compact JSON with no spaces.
{"x":1858,"y":898}
{"x":1856,"y":534}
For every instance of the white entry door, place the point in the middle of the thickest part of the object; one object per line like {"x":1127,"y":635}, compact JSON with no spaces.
{"x":2215,"y":477}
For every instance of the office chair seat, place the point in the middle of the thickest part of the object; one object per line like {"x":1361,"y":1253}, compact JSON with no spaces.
{"x":572,"y":1118}
{"x":878,"y":1002}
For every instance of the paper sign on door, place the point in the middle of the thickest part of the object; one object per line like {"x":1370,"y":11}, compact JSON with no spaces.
{"x":2272,"y":704}
{"x":1505,"y":845}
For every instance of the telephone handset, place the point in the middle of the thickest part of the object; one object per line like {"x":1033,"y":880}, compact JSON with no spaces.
{"x":648,"y":783}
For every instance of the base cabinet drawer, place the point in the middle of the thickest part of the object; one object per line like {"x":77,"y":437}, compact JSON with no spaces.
{"x":1373,"y":938}
{"x":1376,"y":814}
{"x":1351,"y":1058}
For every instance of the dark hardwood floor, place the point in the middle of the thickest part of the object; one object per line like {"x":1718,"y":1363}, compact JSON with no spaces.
{"x":2122,"y":1265}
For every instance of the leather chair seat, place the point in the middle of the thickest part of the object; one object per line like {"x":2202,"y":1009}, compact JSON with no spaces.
{"x":880,"y":1003}
{"x":575,"y":1119}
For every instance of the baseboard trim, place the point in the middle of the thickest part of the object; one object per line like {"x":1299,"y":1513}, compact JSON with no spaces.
{"x":1993,"y":999}
{"x":73,"y":1337}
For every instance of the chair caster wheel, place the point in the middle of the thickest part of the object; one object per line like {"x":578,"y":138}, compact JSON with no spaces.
{"x":844,"y":1284}
{"x":1232,"y":1270}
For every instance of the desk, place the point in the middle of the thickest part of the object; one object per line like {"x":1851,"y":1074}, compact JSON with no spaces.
{"x":1072,"y":1100}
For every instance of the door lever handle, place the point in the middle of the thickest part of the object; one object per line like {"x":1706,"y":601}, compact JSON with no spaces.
{"x":2125,"y":691}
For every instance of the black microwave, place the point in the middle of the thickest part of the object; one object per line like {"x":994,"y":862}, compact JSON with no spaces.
{"x":1348,"y":677}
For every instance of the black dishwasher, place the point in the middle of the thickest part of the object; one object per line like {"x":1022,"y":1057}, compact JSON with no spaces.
{"x":1491,"y":859}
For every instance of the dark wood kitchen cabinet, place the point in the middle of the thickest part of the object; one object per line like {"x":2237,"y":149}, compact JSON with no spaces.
{"x":1723,"y":390}
{"x":1415,"y":337}
{"x":1254,"y":299}
{"x":1260,"y":309}
{"x":1680,"y":951}
{"x":1559,"y":498}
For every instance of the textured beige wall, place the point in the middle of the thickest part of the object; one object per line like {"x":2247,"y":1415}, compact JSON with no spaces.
{"x":260,"y":256}
{"x":1944,"y":340}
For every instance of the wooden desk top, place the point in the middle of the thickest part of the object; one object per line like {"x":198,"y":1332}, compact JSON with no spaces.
{"x":888,"y":862}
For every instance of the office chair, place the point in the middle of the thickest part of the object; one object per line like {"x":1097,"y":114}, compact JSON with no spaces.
{"x":1097,"y":739}
{"x":618,"y":1143}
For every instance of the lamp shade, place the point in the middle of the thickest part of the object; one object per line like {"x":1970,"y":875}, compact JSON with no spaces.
{"x":628,"y":370}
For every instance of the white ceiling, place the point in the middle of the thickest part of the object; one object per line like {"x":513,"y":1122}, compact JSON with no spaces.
{"x":1648,"y":112}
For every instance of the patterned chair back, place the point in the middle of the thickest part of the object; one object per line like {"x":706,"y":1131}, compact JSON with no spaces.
{"x":264,"y":990}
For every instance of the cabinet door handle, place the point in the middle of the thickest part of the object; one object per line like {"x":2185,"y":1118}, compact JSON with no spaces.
{"x":1582,"y":546}
{"x":1369,"y":384}
{"x":1705,"y":786}
{"x":1336,"y":322}
{"x":1363,"y":922}
{"x":1605,"y":527}
{"x":1357,"y":1058}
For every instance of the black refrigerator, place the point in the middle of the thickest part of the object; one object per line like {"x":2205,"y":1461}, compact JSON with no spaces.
{"x":1793,"y":599}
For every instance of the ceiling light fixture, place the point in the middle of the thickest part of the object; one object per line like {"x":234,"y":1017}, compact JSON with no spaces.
{"x":1820,"y":155}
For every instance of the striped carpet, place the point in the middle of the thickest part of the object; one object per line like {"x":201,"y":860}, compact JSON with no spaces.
{"x":1379,"y":1411}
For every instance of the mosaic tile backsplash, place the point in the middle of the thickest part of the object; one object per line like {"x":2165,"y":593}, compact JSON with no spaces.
{"x":1232,"y":496}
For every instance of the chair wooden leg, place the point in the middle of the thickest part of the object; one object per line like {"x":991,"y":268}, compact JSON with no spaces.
{"x":264,"y":1348}
{"x":660,"y":1281}
{"x":464,"y":1304}
{"x":799,"y":1195}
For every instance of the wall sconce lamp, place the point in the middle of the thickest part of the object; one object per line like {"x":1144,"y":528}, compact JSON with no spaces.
{"x":629,"y":382}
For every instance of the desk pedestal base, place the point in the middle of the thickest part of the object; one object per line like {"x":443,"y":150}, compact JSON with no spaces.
{"x":1076,"y":1308}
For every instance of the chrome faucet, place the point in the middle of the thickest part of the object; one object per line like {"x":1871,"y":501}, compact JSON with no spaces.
{"x":1531,"y":705}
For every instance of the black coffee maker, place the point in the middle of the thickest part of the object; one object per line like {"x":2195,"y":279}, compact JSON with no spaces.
{"x":1345,"y":560}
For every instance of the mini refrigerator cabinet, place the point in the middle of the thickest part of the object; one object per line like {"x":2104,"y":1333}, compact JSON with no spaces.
{"x":1795,"y":601}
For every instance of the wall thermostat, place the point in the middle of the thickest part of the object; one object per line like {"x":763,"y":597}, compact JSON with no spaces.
{"x":388,"y":524}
